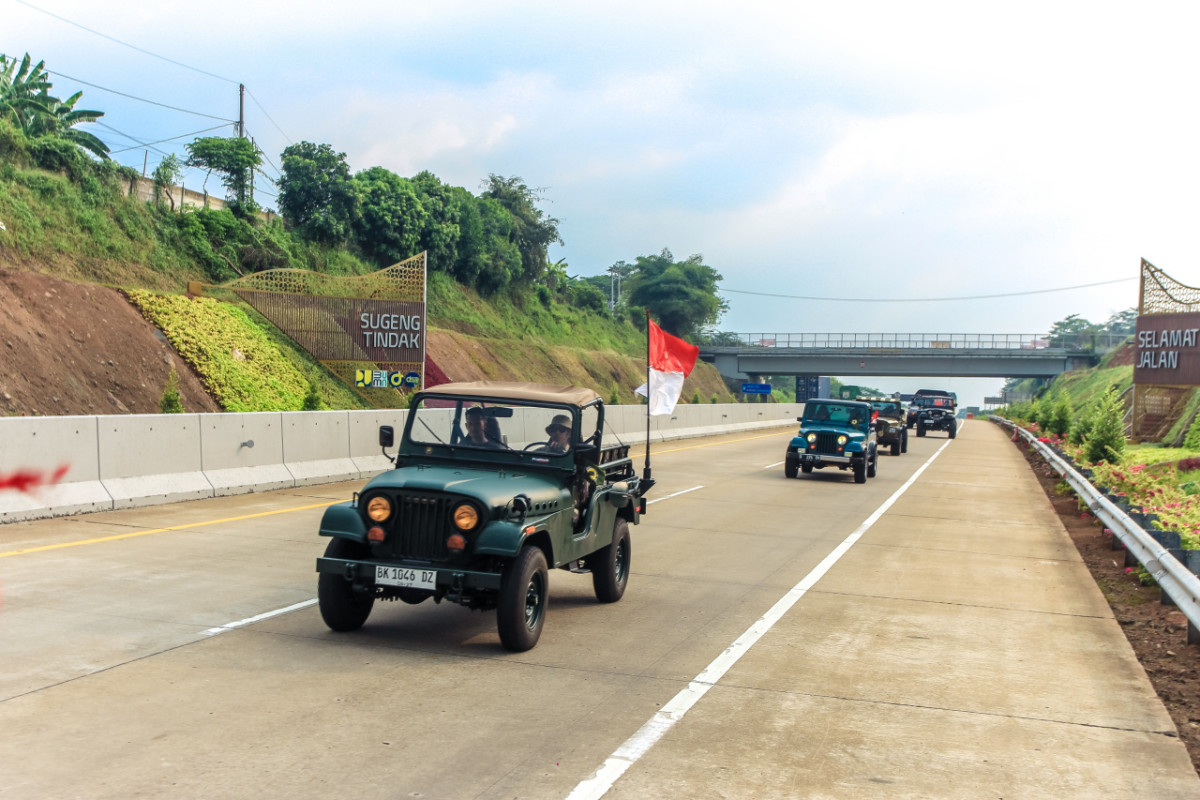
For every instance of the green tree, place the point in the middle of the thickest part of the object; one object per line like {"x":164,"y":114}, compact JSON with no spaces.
{"x":1122,"y":322}
{"x":1074,"y":332}
{"x":234,"y":160}
{"x":532,"y":231}
{"x":444,"y":209}
{"x":500,"y":259}
{"x":683,"y":295}
{"x":388,"y":228}
{"x":316,"y":192}
{"x":167,"y":173}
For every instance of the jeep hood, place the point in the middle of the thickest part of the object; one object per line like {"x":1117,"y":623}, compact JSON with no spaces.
{"x":491,"y":486}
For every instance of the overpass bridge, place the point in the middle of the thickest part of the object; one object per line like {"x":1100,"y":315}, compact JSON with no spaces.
{"x":742,"y":357}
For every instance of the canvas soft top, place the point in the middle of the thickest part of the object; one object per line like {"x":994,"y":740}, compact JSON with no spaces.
{"x":509,"y":390}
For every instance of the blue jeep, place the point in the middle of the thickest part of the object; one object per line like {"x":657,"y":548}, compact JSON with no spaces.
{"x":834,"y":433}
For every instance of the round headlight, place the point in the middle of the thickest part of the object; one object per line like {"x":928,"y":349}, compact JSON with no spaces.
{"x":842,"y":439}
{"x":379,"y":508}
{"x":812,"y":437}
{"x":465,"y":517}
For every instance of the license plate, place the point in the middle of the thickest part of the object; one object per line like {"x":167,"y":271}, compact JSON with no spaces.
{"x":406,"y":578}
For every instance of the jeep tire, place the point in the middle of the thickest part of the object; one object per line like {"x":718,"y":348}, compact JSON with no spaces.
{"x":860,"y":470}
{"x":953,"y":429}
{"x":904,"y":441}
{"x":872,"y":463}
{"x":920,"y":429}
{"x":610,"y":565}
{"x":896,"y":447}
{"x":790,"y":468}
{"x":521,"y":606}
{"x":343,"y":608}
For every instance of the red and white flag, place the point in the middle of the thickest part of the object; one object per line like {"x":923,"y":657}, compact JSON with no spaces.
{"x":671,"y":360}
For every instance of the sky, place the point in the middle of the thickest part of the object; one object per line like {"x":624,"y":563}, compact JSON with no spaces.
{"x":917,"y":153}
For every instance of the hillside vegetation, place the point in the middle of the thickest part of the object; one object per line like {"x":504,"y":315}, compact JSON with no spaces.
{"x":77,"y":223}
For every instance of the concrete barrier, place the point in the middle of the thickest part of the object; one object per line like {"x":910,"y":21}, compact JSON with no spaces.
{"x":119,"y":461}
{"x":36,"y":448}
{"x":316,"y":447}
{"x":243,"y":453}
{"x":151,"y":458}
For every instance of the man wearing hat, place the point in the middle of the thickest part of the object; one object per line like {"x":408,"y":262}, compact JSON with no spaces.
{"x":559,"y":431}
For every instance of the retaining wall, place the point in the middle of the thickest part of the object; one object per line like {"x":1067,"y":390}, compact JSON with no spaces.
{"x":121,"y":461}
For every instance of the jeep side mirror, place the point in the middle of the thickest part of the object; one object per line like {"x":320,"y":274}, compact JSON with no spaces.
{"x":387,"y":436}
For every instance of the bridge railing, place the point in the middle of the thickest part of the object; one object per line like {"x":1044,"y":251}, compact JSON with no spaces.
{"x":947,"y":341}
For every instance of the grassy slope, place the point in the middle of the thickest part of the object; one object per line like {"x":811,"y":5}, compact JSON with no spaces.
{"x":94,"y":233}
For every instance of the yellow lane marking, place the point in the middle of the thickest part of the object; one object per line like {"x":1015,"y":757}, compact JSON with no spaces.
{"x":131,"y":534}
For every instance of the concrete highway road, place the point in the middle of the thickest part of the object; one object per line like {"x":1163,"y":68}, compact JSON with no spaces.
{"x":935,"y":637}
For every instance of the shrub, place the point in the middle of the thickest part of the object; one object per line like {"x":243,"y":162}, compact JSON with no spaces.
{"x":696,"y":398}
{"x":614,"y":399}
{"x":1106,"y":442}
{"x":1060,"y":415}
{"x":312,"y":400}
{"x":1192,"y":440}
{"x":1081,"y":428}
{"x":171,"y":402}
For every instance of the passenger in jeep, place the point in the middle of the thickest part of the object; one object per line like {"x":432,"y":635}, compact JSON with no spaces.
{"x":475,"y":430}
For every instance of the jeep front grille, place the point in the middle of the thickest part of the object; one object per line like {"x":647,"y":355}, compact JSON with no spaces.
{"x":419,"y":527}
{"x":827,"y":443}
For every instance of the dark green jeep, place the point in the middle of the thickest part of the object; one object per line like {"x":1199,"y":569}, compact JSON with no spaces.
{"x":890,"y":430}
{"x":834,"y":433}
{"x":494,"y":484}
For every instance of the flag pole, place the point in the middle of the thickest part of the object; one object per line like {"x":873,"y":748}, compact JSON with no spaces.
{"x":646,"y":471}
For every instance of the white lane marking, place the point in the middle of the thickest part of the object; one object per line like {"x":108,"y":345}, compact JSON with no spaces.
{"x":228,"y":626}
{"x":668,"y":497}
{"x":266,"y":615}
{"x":657,"y":726}
{"x":772,"y":466}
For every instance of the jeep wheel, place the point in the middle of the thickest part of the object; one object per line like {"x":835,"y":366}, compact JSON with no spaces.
{"x":920,"y":429}
{"x":806,"y":469}
{"x":521,"y":607}
{"x":904,"y":442}
{"x":342,"y":608}
{"x":610,"y":565}
{"x":860,"y":471}
{"x":873,"y":464}
{"x":790,"y":468}
{"x":953,"y":429}
{"x":896,"y":447}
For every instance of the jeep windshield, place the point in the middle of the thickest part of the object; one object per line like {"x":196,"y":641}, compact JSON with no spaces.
{"x":523,"y":430}
{"x":887,"y":409}
{"x":836,"y":414}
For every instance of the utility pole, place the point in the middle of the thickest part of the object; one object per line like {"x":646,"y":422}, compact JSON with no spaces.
{"x":241,"y":111}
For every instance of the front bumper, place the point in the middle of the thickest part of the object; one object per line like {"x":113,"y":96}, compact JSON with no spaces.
{"x":451,"y":581}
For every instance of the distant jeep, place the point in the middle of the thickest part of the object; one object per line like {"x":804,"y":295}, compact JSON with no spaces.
{"x":935,"y":411}
{"x":890,"y":430}
{"x":834,"y":433}
{"x":494,"y":484}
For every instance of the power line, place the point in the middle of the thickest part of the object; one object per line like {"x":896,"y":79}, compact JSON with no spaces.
{"x":161,"y":141}
{"x":134,"y":97}
{"x":140,"y":143}
{"x":924,"y":299}
{"x":268,"y":116}
{"x":126,"y":44}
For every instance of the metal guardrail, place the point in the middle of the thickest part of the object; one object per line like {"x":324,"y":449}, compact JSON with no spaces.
{"x":953,"y":341}
{"x":1177,"y":582}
